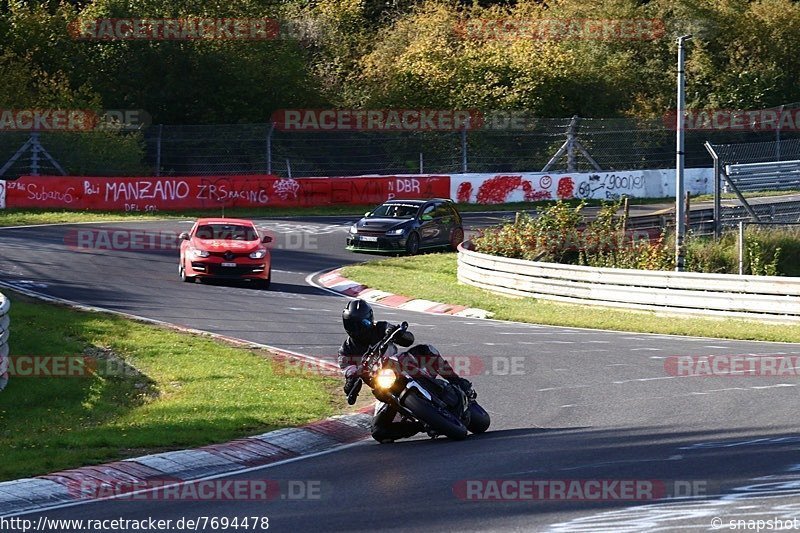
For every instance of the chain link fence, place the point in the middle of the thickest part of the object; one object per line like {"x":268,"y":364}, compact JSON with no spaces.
{"x":748,"y":169}
{"x":581,"y":144}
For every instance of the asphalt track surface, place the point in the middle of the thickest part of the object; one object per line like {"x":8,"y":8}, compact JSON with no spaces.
{"x":567,"y":405}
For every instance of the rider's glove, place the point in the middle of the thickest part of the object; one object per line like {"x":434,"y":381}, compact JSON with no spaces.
{"x":463,"y":384}
{"x":351,"y":380}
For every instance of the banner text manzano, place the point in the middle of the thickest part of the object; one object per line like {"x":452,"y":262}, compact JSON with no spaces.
{"x":158,"y":194}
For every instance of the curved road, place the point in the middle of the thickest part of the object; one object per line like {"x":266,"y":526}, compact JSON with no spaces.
{"x":568,"y":405}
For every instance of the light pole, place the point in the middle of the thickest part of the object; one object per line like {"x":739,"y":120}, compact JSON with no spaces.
{"x":680,"y":217}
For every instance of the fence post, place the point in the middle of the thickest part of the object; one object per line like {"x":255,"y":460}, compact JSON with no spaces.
{"x":778,"y":136}
{"x":34,"y":154}
{"x":420,"y":163}
{"x":269,"y":147}
{"x":626,"y":209}
{"x":717,"y":199}
{"x":687,"y":211}
{"x":572,"y":135}
{"x":5,"y":327}
{"x":158,"y":150}
{"x":464,"y":147}
{"x":740,"y":246}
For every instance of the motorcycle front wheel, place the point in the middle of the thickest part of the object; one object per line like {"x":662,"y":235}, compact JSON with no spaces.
{"x":479,"y":419}
{"x":439,"y":420}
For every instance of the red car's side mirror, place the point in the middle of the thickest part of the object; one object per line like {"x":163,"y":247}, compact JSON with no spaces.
{"x":266,"y":239}
{"x":184,"y":236}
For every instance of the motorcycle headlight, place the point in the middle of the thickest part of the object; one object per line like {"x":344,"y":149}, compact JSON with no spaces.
{"x":385,"y":378}
{"x":195,"y":252}
{"x":398,"y":231}
{"x":258,"y":254}
{"x":354,"y":228}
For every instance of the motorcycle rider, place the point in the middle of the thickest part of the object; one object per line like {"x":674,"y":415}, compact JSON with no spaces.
{"x":363,"y":332}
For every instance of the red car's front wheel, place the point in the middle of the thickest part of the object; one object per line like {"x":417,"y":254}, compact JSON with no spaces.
{"x":265,"y":283}
{"x":182,"y":273}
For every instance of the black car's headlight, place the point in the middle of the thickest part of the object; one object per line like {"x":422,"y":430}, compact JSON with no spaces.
{"x":395,"y":232}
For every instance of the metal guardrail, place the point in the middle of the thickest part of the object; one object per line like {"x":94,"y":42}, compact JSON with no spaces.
{"x":5,"y":324}
{"x":771,"y":298}
{"x":773,"y":175}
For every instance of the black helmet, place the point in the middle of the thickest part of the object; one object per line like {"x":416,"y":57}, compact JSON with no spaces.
{"x":358,"y":319}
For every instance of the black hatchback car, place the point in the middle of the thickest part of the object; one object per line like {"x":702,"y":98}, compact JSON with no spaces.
{"x":408,"y":226}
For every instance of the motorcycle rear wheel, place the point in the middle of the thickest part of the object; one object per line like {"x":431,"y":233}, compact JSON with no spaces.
{"x":442,"y":423}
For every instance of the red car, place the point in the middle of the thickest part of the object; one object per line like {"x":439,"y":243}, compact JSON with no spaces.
{"x":225,"y":248}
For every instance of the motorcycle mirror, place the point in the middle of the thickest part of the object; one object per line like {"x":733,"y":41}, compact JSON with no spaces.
{"x":404,"y":325}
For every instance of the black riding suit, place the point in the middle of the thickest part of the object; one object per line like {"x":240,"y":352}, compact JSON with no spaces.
{"x":383,"y":426}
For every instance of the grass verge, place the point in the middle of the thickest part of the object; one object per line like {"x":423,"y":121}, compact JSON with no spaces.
{"x":433,"y":277}
{"x":23,"y":217}
{"x":181,"y":391}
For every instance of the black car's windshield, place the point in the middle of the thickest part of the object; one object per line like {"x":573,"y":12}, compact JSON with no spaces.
{"x":231,"y":232}
{"x":396,"y":211}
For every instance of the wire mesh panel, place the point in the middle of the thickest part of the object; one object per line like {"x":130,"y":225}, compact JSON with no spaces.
{"x":580,"y":144}
{"x":770,"y":170}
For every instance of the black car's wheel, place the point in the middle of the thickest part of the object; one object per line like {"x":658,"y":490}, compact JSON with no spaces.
{"x":456,"y":238}
{"x":412,"y":244}
{"x":479,"y":419}
{"x":441,"y":421}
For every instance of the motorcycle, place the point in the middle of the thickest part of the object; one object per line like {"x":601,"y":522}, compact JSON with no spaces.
{"x":416,"y":394}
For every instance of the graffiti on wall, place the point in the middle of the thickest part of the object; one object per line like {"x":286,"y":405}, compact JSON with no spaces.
{"x":611,"y":186}
{"x":150,"y":194}
{"x":501,"y":188}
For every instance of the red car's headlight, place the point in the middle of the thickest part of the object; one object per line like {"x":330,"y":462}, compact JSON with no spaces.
{"x":195,"y":252}
{"x":261,"y":253}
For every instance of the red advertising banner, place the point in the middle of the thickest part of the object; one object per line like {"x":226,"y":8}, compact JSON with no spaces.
{"x":194,"y":192}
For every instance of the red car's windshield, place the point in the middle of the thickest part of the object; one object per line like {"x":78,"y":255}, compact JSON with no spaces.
{"x":229,"y":232}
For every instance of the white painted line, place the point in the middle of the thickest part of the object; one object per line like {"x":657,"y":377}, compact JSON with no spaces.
{"x":83,"y":307}
{"x":344,"y":285}
{"x":569,"y":329}
{"x":642,"y":379}
{"x":198,"y":480}
{"x":473,"y":313}
{"x":418,"y":305}
{"x":129,"y":221}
